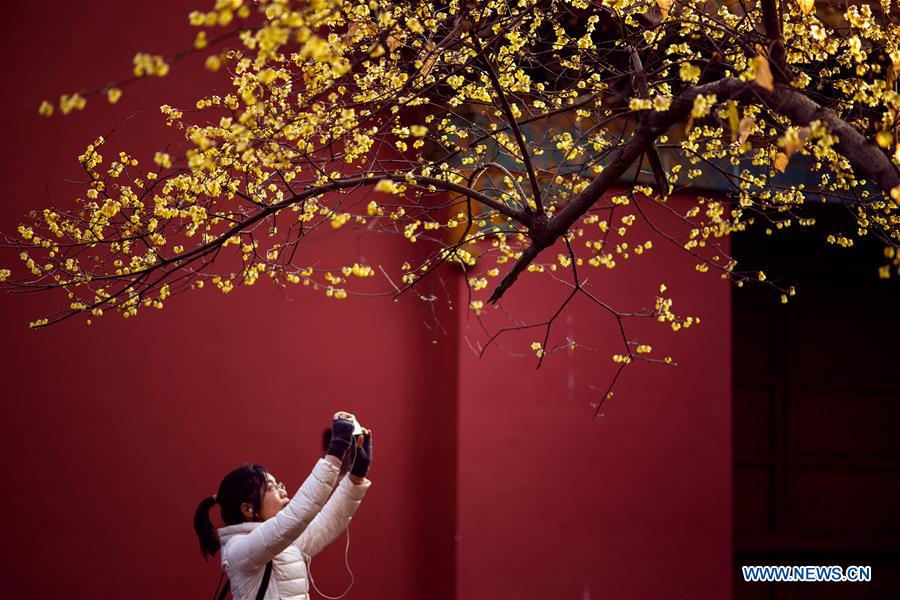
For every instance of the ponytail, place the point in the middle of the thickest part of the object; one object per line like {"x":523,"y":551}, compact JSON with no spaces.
{"x":244,"y":484}
{"x":209,"y":539}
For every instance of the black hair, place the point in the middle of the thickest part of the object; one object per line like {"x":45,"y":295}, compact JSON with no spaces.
{"x":244,"y":484}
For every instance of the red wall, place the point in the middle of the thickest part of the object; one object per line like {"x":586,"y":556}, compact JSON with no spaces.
{"x":633,"y":505}
{"x":112,"y":433}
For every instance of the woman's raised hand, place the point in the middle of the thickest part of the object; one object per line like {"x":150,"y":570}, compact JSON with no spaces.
{"x":363,"y":458}
{"x":342,"y":414}
{"x":341,"y":434}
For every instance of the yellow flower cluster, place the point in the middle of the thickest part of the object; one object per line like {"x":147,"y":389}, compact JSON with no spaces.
{"x":67,"y":103}
{"x":331,"y":101}
{"x":150,"y":64}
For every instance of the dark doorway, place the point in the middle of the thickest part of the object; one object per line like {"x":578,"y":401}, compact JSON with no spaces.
{"x":816,"y":412}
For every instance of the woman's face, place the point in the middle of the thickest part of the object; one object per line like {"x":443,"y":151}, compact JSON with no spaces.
{"x":274,"y":499}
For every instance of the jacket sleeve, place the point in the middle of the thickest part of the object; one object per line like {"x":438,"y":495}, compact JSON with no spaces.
{"x":250,"y":552}
{"x":334,"y":518}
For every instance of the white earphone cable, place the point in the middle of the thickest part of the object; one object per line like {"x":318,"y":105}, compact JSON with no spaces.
{"x":308,"y":558}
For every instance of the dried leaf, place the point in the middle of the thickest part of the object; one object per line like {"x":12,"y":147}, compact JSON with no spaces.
{"x":351,"y":31}
{"x":428,"y":65}
{"x":664,"y":6}
{"x":392,"y":42}
{"x":807,"y":6}
{"x":764,"y":77}
{"x":733,"y":119}
{"x":429,"y":60}
{"x":793,"y":144}
{"x":781,"y":161}
{"x":744,"y":129}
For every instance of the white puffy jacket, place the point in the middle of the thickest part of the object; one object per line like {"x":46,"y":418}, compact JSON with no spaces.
{"x":304,"y":526}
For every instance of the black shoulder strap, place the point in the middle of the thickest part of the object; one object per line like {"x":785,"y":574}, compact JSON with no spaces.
{"x":262,"y":587}
{"x":265,"y":582}
{"x":224,"y":589}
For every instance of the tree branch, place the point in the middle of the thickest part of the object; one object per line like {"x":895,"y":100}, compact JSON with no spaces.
{"x":545,"y":232}
{"x":777,"y":54}
{"x":310,"y":192}
{"x":643,"y":87}
{"x":866,"y":159}
{"x":526,"y":158}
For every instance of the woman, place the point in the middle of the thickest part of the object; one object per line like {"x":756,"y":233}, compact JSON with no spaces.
{"x":263,"y":524}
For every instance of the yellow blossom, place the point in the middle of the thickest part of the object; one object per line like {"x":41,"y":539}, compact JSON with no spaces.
{"x":213,"y":62}
{"x":387,"y":186}
{"x":150,"y":64}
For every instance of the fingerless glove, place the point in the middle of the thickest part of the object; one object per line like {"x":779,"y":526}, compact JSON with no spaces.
{"x":341,"y":438}
{"x":363,"y":458}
